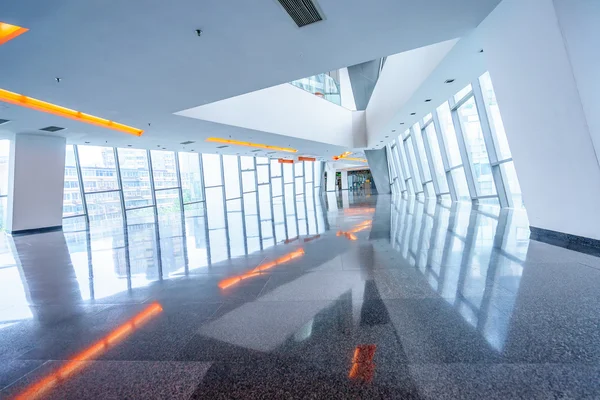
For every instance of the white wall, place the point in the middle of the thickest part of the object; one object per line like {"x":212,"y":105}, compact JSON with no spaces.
{"x":35,"y":182}
{"x":543,"y":116}
{"x":283,"y":110}
{"x":400,"y":78}
{"x":579,"y":23}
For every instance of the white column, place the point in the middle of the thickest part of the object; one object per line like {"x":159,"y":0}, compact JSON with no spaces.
{"x":539,"y":96}
{"x":35,"y":183}
{"x":344,"y":180}
{"x":330,"y":178}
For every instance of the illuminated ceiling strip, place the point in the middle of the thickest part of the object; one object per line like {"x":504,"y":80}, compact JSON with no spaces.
{"x":345,"y":155}
{"x":284,"y":161}
{"x":39,"y":105}
{"x":249,"y":144}
{"x":9,"y":32}
{"x":225,"y":283}
{"x":355,"y":159}
{"x":41,"y":387}
{"x":302,"y":158}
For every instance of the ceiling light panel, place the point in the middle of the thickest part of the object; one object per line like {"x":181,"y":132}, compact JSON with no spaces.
{"x":39,"y":105}
{"x":9,"y":32}
{"x":249,"y":144}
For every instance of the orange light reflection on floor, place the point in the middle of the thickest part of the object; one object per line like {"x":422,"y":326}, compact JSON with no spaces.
{"x":9,"y":32}
{"x":363,"y":367}
{"x":350,"y":235}
{"x":225,"y":283}
{"x":42,"y":386}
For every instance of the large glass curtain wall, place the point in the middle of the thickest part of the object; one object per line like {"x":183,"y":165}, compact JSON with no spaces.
{"x":460,"y":150}
{"x":249,"y":203}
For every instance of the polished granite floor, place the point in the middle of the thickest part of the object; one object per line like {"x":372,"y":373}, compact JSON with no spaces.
{"x":354,"y":296}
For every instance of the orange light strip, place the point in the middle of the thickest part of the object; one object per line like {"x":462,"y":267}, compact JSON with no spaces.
{"x":225,"y":283}
{"x":41,"y":387}
{"x":39,"y":105}
{"x":344,"y":156}
{"x":363,"y":367}
{"x":355,"y":159}
{"x":9,"y":32}
{"x":302,"y":158}
{"x":249,"y":144}
{"x":284,"y":161}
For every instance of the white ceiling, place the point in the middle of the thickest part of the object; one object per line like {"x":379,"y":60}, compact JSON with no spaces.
{"x":138,"y":62}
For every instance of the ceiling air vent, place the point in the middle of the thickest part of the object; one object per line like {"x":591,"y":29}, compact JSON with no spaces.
{"x":188,"y":142}
{"x":3,"y":121}
{"x":254,"y":151}
{"x":52,"y":129}
{"x":303,"y":12}
{"x":222,"y":147}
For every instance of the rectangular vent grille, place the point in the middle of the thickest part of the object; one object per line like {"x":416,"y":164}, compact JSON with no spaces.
{"x":3,"y":121}
{"x":303,"y":12}
{"x":222,"y":147}
{"x":188,"y":142}
{"x":272,"y":152}
{"x":254,"y":151}
{"x":52,"y":129}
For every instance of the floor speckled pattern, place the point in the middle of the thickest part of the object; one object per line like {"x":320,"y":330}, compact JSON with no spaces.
{"x":356,"y":296}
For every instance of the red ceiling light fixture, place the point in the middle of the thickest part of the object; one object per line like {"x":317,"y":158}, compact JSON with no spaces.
{"x":302,"y":158}
{"x":285,"y":161}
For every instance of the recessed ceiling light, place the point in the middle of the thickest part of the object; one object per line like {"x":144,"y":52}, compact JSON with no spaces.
{"x":87,"y":142}
{"x":427,"y":101}
{"x":188,"y":142}
{"x":413,"y":113}
{"x":401,"y":123}
{"x":393,"y":130}
{"x":198,"y":32}
{"x":449,"y":81}
{"x":128,"y":145}
{"x":4,"y":121}
{"x":388,"y":136}
{"x":481,"y":51}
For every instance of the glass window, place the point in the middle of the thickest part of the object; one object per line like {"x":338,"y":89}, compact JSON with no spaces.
{"x":262,"y":171}
{"x":211,"y":165}
{"x":191,"y":177}
{"x":317,"y":173}
{"x":493,"y":112}
{"x":275,"y":168}
{"x":215,"y":208}
{"x":288,"y":173}
{"x":449,"y":135}
{"x":299,"y":186}
{"x":104,"y":206}
{"x":460,"y":184}
{"x":413,"y":163}
{"x":482,"y":171}
{"x":135,"y":177}
{"x":164,"y":169}
{"x":72,"y":201}
{"x":167,"y":201}
{"x":298,"y":169}
{"x":247,"y":162}
{"x":404,"y":159}
{"x":458,"y":96}
{"x":98,"y":168}
{"x":232,"y":176}
{"x":264,"y":202}
{"x":262,"y":160}
{"x":248,"y":181}
{"x":276,"y":187}
{"x":509,"y":175}
{"x":308,"y":171}
{"x":422,"y":156}
{"x":436,"y":156}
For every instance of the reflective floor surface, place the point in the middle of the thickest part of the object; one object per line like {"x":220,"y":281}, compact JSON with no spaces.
{"x":355,"y":296}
